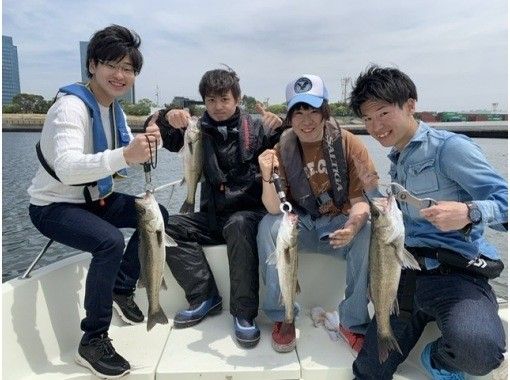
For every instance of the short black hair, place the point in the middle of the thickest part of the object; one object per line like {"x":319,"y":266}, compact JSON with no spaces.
{"x":382,"y":83}
{"x":324,"y":109}
{"x":113,"y":43}
{"x":219,"y":82}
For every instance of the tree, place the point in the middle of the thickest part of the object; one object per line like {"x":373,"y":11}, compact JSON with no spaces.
{"x":148,"y":102}
{"x":340,"y":109}
{"x":141,"y":108}
{"x":30,"y":103}
{"x":11,"y":108}
{"x":277,"y":109}
{"x":249,"y":103}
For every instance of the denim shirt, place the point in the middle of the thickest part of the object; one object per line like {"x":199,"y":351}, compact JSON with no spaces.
{"x":449,"y":167}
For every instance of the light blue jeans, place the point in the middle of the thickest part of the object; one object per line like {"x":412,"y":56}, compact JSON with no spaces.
{"x":352,"y":310}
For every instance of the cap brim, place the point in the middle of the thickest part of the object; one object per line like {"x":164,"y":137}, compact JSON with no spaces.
{"x":312,"y":100}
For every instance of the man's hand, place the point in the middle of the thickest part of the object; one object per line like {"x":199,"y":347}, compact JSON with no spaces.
{"x":342,"y":236}
{"x":447,"y":215}
{"x":269,"y":119}
{"x":267,"y":162}
{"x":143,"y":144}
{"x":357,"y":218}
{"x":178,"y":118}
{"x":138,"y":150}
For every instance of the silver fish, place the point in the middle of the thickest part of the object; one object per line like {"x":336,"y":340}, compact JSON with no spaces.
{"x":193,"y":162}
{"x":151,"y":253}
{"x":285,"y":257}
{"x":387,"y":256}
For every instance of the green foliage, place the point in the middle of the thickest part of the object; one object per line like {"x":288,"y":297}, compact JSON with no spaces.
{"x":148,"y":102}
{"x":11,"y":108}
{"x":340,"y":109}
{"x":30,"y":103}
{"x":277,"y":109}
{"x":141,"y":108}
{"x":249,"y":103}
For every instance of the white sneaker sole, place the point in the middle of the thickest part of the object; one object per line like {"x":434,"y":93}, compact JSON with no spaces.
{"x":122,"y":316}
{"x":84,"y":363}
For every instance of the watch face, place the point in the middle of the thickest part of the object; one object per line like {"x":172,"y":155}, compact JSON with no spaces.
{"x":474,"y":213}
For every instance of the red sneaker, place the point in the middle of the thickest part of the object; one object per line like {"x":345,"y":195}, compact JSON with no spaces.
{"x":283,"y":337}
{"x":354,"y":340}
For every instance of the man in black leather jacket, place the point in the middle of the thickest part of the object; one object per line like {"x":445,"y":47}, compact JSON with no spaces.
{"x":230,"y":207}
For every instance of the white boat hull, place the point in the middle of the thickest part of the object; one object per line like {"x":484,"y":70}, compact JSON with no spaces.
{"x":41,"y":319}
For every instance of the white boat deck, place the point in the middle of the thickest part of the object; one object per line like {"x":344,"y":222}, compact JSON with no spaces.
{"x":41,"y":319}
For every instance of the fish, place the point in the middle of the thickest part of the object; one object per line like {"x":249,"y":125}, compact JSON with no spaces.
{"x":387,"y":257}
{"x":151,"y":253}
{"x":193,"y":163}
{"x":285,"y":257}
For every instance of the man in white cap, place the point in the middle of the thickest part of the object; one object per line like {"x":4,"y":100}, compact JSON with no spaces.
{"x":316,"y":158}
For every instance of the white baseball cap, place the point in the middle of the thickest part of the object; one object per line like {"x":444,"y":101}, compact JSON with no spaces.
{"x":309,"y":89}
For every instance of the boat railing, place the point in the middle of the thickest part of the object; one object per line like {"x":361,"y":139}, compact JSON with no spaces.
{"x":26,"y":274}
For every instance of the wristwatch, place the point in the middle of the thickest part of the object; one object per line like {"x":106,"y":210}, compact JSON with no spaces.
{"x":474,"y":213}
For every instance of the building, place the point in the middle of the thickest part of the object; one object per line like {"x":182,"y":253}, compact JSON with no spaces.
{"x":10,"y":70}
{"x":129,"y":96}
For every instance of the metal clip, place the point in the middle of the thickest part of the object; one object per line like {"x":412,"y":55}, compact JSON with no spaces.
{"x":402,"y":195}
{"x":285,"y":207}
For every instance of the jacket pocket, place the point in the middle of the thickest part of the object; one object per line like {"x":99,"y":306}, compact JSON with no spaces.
{"x":422,"y":177}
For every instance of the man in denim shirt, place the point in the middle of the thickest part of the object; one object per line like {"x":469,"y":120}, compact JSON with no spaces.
{"x":451,"y":169}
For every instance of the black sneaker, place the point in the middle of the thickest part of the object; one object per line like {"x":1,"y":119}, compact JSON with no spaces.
{"x":100,"y":357}
{"x":127,"y":308}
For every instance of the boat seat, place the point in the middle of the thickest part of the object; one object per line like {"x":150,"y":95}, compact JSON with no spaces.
{"x":41,"y":318}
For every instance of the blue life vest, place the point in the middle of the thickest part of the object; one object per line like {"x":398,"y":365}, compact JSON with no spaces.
{"x":105,"y":185}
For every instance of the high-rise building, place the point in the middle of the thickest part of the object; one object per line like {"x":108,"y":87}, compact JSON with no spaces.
{"x":10,"y":70}
{"x":128,"y":96}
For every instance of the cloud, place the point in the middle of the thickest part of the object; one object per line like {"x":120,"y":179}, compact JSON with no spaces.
{"x":455,"y":52}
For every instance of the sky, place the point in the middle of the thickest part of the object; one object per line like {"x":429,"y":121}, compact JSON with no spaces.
{"x":456,"y":52}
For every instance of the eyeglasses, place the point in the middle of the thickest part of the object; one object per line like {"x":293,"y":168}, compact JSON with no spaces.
{"x":125,"y":69}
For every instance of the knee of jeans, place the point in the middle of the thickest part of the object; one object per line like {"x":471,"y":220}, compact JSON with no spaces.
{"x":269,"y":226}
{"x":488,"y":358}
{"x":478,"y":354}
{"x":112,"y":244}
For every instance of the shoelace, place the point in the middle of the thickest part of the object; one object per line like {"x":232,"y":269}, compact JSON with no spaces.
{"x":130,"y":300}
{"x":104,"y":345}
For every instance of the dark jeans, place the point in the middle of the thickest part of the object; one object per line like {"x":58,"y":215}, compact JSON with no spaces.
{"x":191,"y":269}
{"x":95,"y":229}
{"x":466,"y":312}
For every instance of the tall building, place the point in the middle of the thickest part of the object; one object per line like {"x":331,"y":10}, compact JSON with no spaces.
{"x":10,"y":70}
{"x":129,"y":96}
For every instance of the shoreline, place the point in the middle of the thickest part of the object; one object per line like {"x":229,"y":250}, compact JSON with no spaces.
{"x":486,"y":129}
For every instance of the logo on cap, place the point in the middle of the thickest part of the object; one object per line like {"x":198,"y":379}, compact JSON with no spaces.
{"x":302,"y":85}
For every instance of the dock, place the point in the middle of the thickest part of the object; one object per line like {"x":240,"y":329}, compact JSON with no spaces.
{"x":483,"y":129}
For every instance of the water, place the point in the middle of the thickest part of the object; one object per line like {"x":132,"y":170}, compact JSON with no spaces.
{"x":21,"y":242}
